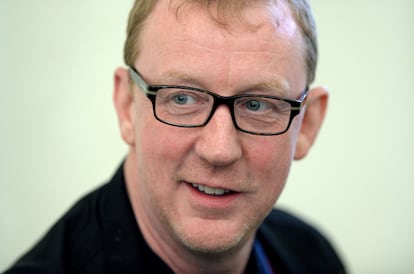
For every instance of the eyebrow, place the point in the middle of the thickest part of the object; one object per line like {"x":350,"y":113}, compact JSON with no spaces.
{"x":276,"y":85}
{"x":281,"y":87}
{"x":175,"y":75}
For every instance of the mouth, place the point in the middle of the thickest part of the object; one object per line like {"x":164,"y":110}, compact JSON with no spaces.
{"x":211,"y":190}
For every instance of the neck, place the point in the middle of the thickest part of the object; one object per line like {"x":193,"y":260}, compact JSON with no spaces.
{"x":183,"y":261}
{"x":176,"y":255}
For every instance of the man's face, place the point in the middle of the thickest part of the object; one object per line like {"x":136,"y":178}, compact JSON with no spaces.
{"x":175,"y":167}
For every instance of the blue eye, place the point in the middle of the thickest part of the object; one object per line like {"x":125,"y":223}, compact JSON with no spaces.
{"x":256,"y":105}
{"x":183,"y":99}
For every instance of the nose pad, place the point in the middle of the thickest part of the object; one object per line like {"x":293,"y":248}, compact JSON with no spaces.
{"x":219,"y":143}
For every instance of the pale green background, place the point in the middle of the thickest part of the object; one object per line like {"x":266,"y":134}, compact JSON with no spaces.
{"x":59,"y":137}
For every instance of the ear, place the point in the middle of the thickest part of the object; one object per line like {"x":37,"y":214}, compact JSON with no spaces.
{"x":124,"y":102}
{"x":314,"y":114}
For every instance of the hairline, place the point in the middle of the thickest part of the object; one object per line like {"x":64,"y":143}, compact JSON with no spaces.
{"x":308,"y":42}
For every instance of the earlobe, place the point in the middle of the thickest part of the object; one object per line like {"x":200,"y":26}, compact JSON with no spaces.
{"x":123,"y":101}
{"x":314,"y":114}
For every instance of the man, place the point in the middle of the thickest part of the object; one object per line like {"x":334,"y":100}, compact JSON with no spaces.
{"x":214,"y":106}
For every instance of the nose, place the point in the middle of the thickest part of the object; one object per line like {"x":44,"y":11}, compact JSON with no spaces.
{"x":219,"y":141}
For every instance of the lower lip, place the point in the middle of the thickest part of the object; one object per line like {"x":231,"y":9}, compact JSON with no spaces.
{"x":212,"y":201}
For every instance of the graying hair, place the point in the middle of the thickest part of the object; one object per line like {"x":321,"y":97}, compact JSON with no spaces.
{"x":221,"y":11}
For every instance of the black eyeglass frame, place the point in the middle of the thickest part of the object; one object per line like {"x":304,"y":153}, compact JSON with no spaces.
{"x":150,"y":91}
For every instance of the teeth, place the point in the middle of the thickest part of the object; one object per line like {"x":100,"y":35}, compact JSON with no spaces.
{"x":211,"y":190}
{"x":219,"y":191}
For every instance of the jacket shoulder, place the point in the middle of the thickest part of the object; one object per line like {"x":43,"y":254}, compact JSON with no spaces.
{"x":72,"y":244}
{"x":298,"y":245}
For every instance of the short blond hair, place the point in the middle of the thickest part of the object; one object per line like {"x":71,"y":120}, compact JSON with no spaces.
{"x":300,"y":11}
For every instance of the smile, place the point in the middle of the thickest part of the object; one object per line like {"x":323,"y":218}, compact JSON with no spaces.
{"x":210,"y":190}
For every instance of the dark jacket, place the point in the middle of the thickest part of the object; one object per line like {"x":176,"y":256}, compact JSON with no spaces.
{"x":99,"y":235}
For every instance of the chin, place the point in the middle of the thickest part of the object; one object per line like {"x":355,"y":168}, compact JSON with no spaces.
{"x":213,"y":239}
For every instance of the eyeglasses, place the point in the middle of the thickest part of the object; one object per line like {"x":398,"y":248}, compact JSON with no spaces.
{"x":189,"y":107}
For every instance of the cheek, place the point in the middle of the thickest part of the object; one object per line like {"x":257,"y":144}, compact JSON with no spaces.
{"x":160,"y":147}
{"x":147,"y":141}
{"x":155,"y":160}
{"x":271,"y":159}
{"x":153,"y":140}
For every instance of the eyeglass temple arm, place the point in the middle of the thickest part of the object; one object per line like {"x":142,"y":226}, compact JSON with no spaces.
{"x":304,"y":94}
{"x":302,"y":99}
{"x":139,"y":81}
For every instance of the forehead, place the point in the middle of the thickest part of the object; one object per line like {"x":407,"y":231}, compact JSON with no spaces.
{"x":261,"y":36}
{"x":181,"y":18}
